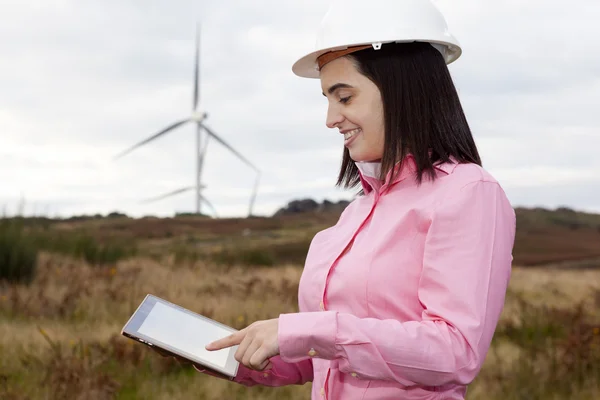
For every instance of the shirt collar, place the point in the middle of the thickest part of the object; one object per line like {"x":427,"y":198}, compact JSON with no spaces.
{"x":369,"y":172}
{"x":369,"y":175}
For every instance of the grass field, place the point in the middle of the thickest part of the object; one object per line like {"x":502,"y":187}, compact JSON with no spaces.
{"x":59,"y":332}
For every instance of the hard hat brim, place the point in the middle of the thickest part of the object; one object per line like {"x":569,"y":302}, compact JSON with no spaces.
{"x":307,"y":66}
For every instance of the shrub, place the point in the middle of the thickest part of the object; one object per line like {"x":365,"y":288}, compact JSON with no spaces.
{"x":91,"y":369}
{"x":79,"y":244}
{"x":184,"y":254}
{"x":266,"y":254}
{"x":73,"y":373}
{"x":559,"y":353}
{"x":244,"y":256}
{"x":18,"y":254}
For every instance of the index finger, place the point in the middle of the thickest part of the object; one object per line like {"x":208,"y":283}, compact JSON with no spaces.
{"x":228,"y":341}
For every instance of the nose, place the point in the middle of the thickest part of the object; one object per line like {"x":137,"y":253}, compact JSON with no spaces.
{"x":334,"y":117}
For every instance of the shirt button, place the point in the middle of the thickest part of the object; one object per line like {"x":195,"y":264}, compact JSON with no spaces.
{"x":312,"y":352}
{"x":354,"y":374}
{"x":322,"y":306}
{"x":322,"y":392}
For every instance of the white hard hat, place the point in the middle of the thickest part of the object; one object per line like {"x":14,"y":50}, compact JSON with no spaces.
{"x":350,"y":23}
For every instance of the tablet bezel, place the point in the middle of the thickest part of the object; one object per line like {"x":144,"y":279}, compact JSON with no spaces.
{"x":136,"y":320}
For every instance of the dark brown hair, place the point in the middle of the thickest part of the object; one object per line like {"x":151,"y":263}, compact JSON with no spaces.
{"x":422,"y":112}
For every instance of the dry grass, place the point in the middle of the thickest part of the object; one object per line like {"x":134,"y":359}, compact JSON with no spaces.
{"x":79,"y":293}
{"x":59,"y":335}
{"x":547,"y":345}
{"x":82,"y":309}
{"x":553,"y":288}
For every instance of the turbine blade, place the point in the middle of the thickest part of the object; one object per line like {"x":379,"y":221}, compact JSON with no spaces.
{"x":205,"y":200}
{"x":218,"y":139}
{"x":173,"y":193}
{"x":151,"y":138}
{"x":197,"y":69}
{"x":203,"y":154}
{"x":253,"y":197}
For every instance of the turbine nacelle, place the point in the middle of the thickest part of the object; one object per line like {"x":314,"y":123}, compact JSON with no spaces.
{"x":198,"y":116}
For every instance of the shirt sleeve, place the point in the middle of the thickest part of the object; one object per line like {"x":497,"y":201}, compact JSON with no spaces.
{"x":466,"y":270}
{"x":282,"y":374}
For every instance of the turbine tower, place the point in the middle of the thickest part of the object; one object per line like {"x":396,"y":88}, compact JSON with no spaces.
{"x":198,"y":117}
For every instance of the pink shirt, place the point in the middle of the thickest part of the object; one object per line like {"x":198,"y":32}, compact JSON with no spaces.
{"x":400,"y":299}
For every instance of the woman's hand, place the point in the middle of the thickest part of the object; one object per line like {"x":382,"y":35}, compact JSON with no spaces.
{"x":257,"y":343}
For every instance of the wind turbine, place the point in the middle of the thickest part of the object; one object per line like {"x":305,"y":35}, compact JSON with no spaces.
{"x":198,"y":117}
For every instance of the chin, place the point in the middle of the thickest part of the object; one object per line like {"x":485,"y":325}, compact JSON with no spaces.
{"x":361,"y":156}
{"x":355,"y":158}
{"x":356,"y":155}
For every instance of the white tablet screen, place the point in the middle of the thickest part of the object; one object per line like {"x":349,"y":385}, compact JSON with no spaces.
{"x":185,"y":332}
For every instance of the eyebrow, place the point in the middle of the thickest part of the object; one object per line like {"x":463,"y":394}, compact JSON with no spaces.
{"x":338,"y":86}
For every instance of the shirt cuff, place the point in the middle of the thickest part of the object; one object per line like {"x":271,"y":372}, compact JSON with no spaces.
{"x":243,"y":373}
{"x":307,"y":335}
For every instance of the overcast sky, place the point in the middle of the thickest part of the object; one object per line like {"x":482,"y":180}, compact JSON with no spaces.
{"x":81,"y":80}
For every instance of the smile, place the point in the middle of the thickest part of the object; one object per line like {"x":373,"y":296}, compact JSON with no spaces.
{"x":351,"y":134}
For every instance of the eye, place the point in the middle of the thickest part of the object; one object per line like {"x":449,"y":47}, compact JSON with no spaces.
{"x":344,"y":100}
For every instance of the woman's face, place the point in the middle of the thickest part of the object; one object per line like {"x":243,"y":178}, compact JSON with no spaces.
{"x":355,"y":108}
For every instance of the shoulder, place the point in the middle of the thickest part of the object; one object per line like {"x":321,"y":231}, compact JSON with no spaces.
{"x":468,"y":181}
{"x":470,"y":197}
{"x":455,"y":176}
{"x":462,"y":174}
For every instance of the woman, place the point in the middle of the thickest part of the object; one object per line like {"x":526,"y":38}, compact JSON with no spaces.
{"x":400,"y":299}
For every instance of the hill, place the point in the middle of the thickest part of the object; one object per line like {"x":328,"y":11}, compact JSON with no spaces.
{"x":543,"y":237}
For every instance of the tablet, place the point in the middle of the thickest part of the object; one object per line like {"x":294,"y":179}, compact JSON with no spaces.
{"x":181,"y":332}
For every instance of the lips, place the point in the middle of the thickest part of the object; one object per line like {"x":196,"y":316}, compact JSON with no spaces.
{"x":350,"y":135}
